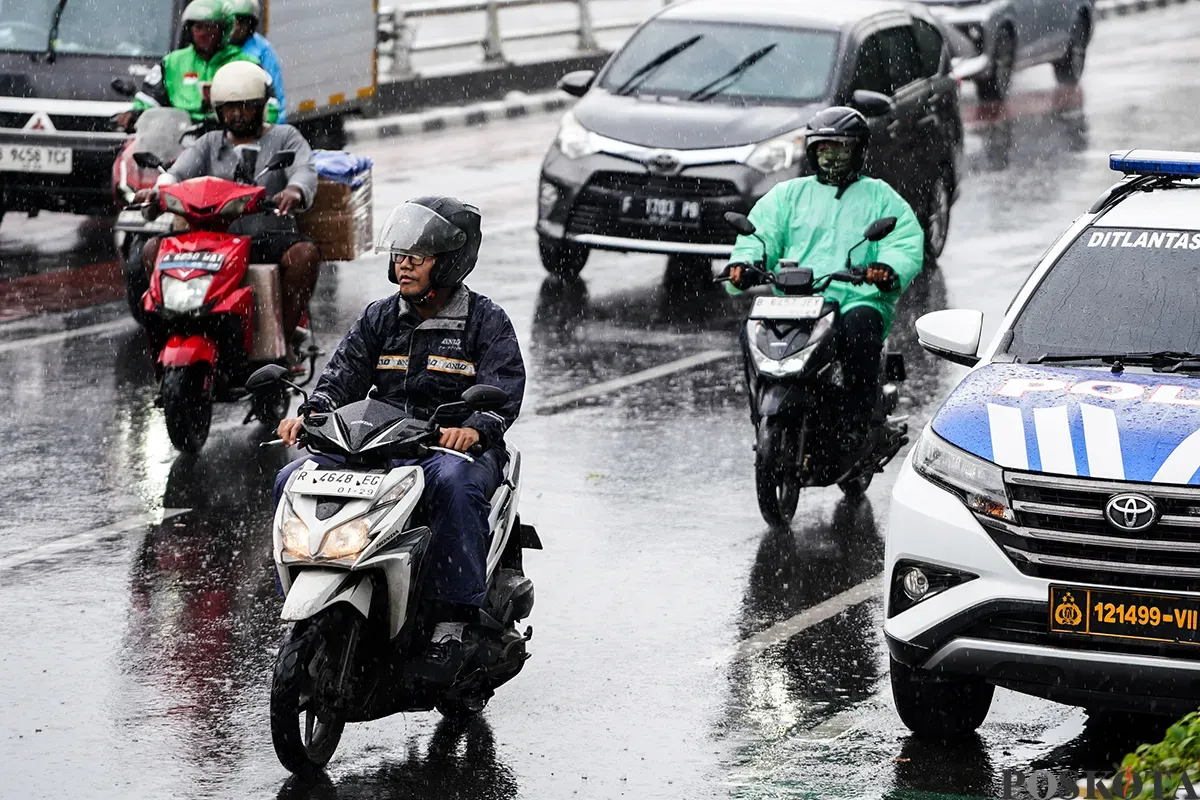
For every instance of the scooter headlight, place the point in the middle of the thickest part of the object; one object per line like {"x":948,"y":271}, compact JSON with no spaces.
{"x":351,"y":538}
{"x":294,"y":533}
{"x":236,"y":206}
{"x":979,"y":483}
{"x":793,"y":364}
{"x":183,"y":296}
{"x":173,"y":204}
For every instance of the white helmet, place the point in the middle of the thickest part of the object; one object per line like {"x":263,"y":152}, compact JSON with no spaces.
{"x":240,"y":82}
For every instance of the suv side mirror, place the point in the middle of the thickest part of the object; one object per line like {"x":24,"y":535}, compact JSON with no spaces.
{"x":482,"y":397}
{"x":124,"y":87}
{"x":952,"y":334}
{"x":880,"y":228}
{"x":264,"y":378}
{"x":740,"y":223}
{"x":871,"y":104}
{"x":578,"y":82}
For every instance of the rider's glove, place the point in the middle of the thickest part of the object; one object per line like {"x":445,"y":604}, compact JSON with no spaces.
{"x":748,"y":279}
{"x":883,"y":276}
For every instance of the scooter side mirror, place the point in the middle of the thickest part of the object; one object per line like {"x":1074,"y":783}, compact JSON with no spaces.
{"x":147,"y":160}
{"x":740,"y":223}
{"x":124,"y":87}
{"x":265,"y":378}
{"x":281,"y":160}
{"x":952,"y":334}
{"x":879,"y":229}
{"x":482,"y":397}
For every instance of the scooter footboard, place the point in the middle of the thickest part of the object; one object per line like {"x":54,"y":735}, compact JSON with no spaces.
{"x":314,"y":590}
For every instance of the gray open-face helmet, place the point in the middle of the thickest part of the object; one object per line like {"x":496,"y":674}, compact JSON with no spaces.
{"x":443,"y":227}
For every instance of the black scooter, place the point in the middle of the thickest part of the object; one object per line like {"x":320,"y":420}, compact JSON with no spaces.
{"x":796,"y":385}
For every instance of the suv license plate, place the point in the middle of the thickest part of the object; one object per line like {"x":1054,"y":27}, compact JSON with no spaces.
{"x":661,"y":210}
{"x":1124,"y":615}
{"x":30,"y":158}
{"x":331,"y":483}
{"x":787,"y":307}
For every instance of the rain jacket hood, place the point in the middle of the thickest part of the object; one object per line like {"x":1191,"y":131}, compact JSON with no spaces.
{"x":804,"y":220}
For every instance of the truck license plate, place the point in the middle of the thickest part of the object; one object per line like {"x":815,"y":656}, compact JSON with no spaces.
{"x":31,"y":158}
{"x":331,"y":483}
{"x":1124,"y":615}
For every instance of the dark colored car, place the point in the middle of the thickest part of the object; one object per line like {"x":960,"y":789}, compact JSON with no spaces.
{"x":702,"y":111}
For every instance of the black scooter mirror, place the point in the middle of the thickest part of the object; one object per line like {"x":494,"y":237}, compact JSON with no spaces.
{"x":880,"y":228}
{"x":482,"y":397}
{"x":124,"y":87}
{"x":285,"y":158}
{"x":147,"y":160}
{"x":264,"y":378}
{"x":740,"y":223}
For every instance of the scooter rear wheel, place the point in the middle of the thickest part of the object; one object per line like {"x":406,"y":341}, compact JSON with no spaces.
{"x":309,"y":658}
{"x":776,"y":472}
{"x":187,"y":406}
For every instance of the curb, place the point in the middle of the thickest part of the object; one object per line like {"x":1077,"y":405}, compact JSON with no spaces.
{"x":436,"y":119}
{"x":519,"y":104}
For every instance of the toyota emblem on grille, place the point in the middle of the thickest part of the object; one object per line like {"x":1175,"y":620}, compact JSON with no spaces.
{"x":1131,"y":512}
{"x":663,"y":162}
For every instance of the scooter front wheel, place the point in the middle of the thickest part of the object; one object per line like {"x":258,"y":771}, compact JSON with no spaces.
{"x":776,"y":472}
{"x":304,"y":730}
{"x":187,"y":406}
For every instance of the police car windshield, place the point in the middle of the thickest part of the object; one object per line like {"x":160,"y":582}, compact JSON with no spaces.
{"x":796,"y":69}
{"x":1115,"y":290}
{"x":135,"y":28}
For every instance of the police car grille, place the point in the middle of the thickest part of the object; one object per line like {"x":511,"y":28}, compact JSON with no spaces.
{"x":1031,"y":627}
{"x":1061,"y":533}
{"x":597,"y":209}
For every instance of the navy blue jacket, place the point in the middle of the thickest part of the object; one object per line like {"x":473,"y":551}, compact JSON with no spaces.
{"x":418,"y":364}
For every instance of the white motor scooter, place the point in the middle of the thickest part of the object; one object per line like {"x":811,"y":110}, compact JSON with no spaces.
{"x":349,"y":547}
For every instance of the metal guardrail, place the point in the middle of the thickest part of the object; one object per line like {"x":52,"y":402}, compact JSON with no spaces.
{"x":397,"y":31}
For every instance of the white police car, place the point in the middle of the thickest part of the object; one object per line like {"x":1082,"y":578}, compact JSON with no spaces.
{"x":1045,"y":529}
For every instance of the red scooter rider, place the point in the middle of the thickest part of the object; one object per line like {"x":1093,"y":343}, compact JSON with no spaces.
{"x":239,"y":95}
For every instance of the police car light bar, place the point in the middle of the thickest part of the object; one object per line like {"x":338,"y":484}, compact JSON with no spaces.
{"x":1155,"y":162}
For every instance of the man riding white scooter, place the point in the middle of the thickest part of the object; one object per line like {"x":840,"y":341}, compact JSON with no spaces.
{"x":421,"y":348}
{"x":240,"y":92}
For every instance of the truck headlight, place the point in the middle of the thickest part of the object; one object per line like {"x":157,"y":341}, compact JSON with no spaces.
{"x":575,"y":141}
{"x":979,"y":483}
{"x":777,"y":154}
{"x":182,"y":296}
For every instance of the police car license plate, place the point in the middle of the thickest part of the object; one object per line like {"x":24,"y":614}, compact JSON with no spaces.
{"x":332,"y":483}
{"x":30,"y":158}
{"x":787,"y":307}
{"x":1124,"y":615}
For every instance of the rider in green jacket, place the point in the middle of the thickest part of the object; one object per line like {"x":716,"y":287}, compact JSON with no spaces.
{"x":179,"y":80}
{"x":815,"y":221}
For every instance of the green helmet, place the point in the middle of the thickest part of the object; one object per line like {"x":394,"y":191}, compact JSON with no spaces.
{"x":243,"y":8}
{"x":206,"y":11}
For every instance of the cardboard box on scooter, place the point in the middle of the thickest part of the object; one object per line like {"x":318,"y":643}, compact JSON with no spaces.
{"x":341,"y":220}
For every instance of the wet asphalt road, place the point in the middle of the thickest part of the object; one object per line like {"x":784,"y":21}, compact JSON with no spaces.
{"x":137,"y":652}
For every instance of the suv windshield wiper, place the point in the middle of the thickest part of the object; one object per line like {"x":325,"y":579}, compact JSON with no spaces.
{"x":715,"y":87}
{"x":643,"y":72}
{"x":1160,"y":361}
{"x":52,"y":34}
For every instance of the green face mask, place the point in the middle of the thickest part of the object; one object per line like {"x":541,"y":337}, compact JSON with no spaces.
{"x":834,"y":162}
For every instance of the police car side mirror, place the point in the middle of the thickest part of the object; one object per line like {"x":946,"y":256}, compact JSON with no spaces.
{"x":871,"y":104}
{"x":482,"y":397}
{"x":952,"y":334}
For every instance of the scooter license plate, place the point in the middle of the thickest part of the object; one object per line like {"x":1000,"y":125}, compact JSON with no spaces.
{"x":332,"y":483}
{"x":787,"y":307}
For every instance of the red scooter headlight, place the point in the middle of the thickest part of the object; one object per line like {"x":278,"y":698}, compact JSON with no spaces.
{"x":236,"y":206}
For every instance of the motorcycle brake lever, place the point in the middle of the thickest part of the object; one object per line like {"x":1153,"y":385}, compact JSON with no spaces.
{"x":270,"y":443}
{"x":448,"y":451}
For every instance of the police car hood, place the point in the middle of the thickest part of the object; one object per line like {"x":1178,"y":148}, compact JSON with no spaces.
{"x":1086,"y":422}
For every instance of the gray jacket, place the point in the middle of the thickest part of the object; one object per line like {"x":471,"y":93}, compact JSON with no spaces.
{"x":213,"y":154}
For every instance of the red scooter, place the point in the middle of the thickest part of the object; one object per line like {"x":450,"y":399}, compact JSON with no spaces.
{"x":211,"y":315}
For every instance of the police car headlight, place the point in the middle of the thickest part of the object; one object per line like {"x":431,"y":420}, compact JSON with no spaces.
{"x":574,"y":140}
{"x":776,"y":154}
{"x":979,"y":483}
{"x":183,"y":296}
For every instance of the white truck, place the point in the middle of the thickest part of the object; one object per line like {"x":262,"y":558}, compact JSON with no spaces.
{"x":59,"y":58}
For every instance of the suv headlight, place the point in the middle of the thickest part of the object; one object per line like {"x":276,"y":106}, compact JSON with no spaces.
{"x":186,"y":295}
{"x":574,"y":140}
{"x":778,"y":153}
{"x":979,"y":483}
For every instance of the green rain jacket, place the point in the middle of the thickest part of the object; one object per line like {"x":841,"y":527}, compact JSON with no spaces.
{"x":803,"y":220}
{"x":178,"y":80}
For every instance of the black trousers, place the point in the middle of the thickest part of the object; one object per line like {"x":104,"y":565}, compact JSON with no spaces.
{"x":860,"y":348}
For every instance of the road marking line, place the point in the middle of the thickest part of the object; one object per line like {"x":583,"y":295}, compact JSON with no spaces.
{"x":100,"y":329}
{"x":561,"y":401}
{"x":782,"y":631}
{"x":79,"y":540}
